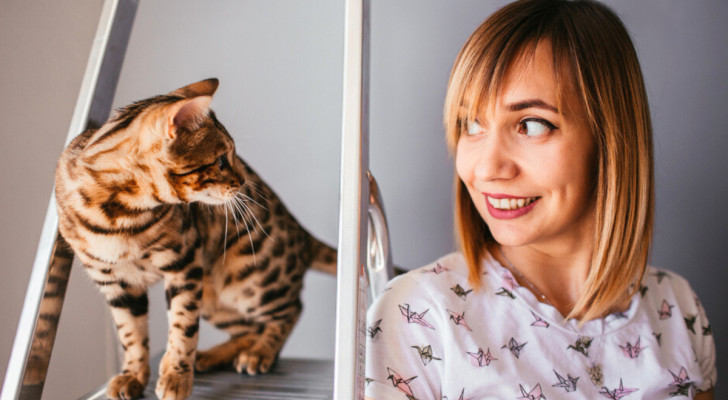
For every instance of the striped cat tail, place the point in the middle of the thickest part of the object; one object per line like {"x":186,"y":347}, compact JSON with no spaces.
{"x":323,"y":257}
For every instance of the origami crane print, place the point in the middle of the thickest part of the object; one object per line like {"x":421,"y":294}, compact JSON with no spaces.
{"x":582,"y":345}
{"x":682,"y":383}
{"x":437,"y":269}
{"x":460,"y":292}
{"x":595,"y":374}
{"x":690,"y":322}
{"x":462,"y":396}
{"x":707,"y":330}
{"x":514,"y":347}
{"x":539,"y":322}
{"x":481,"y":359}
{"x":459,"y":319}
{"x":658,"y":337}
{"x":505,"y":293}
{"x":425,"y":354}
{"x":660,"y":275}
{"x":534,"y":394}
{"x":413,"y":318}
{"x":374,"y":329}
{"x":400,"y":383}
{"x":620,"y":315}
{"x":665,"y":311}
{"x":617,"y":393}
{"x":508,"y":282}
{"x":568,"y":383}
{"x":643,"y":290}
{"x":632,"y":350}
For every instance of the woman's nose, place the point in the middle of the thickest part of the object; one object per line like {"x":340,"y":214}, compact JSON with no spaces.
{"x":495,"y":160}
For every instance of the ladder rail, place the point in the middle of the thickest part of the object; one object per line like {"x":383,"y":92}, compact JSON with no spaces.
{"x":353,"y":207}
{"x":25,"y":375}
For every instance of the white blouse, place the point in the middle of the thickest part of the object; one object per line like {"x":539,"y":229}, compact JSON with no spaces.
{"x":430,"y":336}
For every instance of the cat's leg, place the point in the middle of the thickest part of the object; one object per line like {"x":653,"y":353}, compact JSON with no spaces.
{"x":129,"y":307}
{"x":183,"y":289}
{"x":241,"y":332}
{"x":268,"y":340}
{"x":254,"y":343}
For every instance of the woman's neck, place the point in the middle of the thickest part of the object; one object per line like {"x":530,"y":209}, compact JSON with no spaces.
{"x":558,"y":274}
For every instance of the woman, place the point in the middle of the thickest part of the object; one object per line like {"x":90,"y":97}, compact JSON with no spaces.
{"x":550,"y":296}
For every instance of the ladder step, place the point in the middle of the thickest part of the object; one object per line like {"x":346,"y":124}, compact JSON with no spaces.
{"x":290,"y":378}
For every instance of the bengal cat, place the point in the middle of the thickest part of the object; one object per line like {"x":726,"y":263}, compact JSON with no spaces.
{"x":158,"y":193}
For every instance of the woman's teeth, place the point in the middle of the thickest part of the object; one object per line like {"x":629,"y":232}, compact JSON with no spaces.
{"x":510,"y":204}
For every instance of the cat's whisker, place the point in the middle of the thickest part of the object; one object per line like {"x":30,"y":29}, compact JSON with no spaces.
{"x":235,"y":217}
{"x":250,"y":238}
{"x":256,"y":220}
{"x":234,"y":203}
{"x":224,"y":242}
{"x":245,"y":214}
{"x":246,"y":198}
{"x":260,"y":194}
{"x":254,"y":186}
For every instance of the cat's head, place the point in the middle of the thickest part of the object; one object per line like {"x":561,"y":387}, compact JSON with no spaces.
{"x":200,"y":152}
{"x":177,"y":140}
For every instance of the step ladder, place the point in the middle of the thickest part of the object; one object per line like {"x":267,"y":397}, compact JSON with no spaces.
{"x":364,"y":259}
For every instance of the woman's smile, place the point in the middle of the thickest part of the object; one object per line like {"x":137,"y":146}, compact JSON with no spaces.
{"x":503,"y":206}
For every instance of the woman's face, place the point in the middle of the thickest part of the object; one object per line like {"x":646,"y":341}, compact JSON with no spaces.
{"x":529,"y":167}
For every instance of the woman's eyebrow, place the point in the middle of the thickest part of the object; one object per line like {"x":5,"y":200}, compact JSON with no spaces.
{"x":531,"y":103}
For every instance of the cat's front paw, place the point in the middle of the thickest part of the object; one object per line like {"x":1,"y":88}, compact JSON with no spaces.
{"x":174,"y":386}
{"x":125,"y":387}
{"x":207,"y":360}
{"x":254,"y":362}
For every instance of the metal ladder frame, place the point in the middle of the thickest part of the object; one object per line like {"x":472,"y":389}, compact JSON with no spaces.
{"x":52,"y":266}
{"x":364,"y":259}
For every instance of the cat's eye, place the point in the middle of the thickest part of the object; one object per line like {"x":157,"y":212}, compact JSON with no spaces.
{"x":534,"y":127}
{"x":222,"y":162}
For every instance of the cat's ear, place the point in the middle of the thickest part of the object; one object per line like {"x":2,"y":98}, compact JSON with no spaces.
{"x":188,"y":114}
{"x":201,"y":88}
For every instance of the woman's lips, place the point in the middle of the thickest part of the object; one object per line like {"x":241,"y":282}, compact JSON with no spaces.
{"x":503,"y":206}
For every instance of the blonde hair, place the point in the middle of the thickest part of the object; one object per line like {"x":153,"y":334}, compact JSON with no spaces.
{"x":593,"y":51}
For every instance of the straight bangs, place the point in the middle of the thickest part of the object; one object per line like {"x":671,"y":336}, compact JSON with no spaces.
{"x":594,"y":58}
{"x":499,"y":43}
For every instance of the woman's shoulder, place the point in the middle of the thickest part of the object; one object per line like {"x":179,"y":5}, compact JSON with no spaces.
{"x":662,"y":285}
{"x":430,"y":275}
{"x":674,"y":308}
{"x":426,"y":285}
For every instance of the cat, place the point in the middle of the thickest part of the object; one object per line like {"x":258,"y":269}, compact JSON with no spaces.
{"x":158,"y":192}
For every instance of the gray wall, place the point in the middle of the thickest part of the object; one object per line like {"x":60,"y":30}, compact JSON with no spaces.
{"x":280,"y":69}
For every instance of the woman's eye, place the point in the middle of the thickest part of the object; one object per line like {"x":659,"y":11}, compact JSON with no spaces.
{"x":473,"y":127}
{"x":222,"y":162}
{"x":535,"y":127}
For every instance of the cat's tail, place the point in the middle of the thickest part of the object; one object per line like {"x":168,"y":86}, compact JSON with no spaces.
{"x":323,"y":256}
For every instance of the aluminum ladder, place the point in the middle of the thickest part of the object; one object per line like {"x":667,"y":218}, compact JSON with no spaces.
{"x":364,"y":259}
